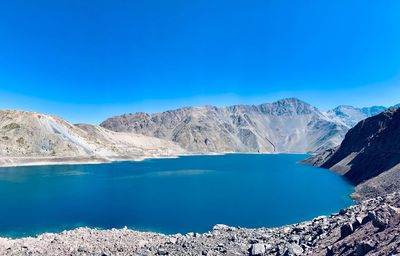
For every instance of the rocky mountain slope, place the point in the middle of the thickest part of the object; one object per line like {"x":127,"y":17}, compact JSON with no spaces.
{"x":28,"y":138}
{"x":369,"y":156}
{"x":128,"y":145}
{"x":350,"y":116}
{"x":288,"y":125}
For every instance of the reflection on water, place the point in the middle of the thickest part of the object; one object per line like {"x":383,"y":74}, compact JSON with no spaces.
{"x":166,"y":174}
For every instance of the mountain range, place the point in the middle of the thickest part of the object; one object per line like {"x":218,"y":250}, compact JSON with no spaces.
{"x":350,"y":116}
{"x":369,"y":157}
{"x":287,"y":125}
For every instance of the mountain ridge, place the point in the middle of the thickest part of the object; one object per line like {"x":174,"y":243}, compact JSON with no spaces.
{"x":369,"y":156}
{"x":34,"y":138}
{"x":350,"y":116}
{"x":242,"y":128}
{"x":285,"y":126}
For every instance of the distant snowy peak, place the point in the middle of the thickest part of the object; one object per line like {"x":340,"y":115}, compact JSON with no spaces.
{"x":350,"y":116}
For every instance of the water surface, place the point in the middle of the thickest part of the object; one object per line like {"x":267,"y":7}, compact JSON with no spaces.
{"x":185,"y":194}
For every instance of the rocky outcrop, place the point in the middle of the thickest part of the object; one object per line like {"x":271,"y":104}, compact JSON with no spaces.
{"x":34,"y":138}
{"x":369,"y":228}
{"x":369,"y":156}
{"x":288,"y":125}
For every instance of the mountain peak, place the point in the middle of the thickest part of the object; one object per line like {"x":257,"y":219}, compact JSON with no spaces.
{"x":287,"y":125}
{"x":288,"y":106}
{"x":374,"y":110}
{"x":395,"y":106}
{"x":350,"y":116}
{"x":342,"y":107}
{"x":292,"y":100}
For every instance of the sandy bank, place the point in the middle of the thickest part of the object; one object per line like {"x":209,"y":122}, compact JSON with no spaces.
{"x":43,"y":161}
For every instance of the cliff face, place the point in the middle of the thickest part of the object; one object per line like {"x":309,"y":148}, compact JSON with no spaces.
{"x":27,"y":137}
{"x":288,"y":125}
{"x":369,"y":156}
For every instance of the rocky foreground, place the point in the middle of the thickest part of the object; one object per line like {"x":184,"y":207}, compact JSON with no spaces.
{"x":369,"y":228}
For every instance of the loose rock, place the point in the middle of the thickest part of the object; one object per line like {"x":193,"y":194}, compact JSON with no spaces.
{"x":257,"y":249}
{"x":346,"y":230}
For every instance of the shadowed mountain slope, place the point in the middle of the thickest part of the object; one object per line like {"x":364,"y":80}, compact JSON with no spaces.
{"x":369,"y":156}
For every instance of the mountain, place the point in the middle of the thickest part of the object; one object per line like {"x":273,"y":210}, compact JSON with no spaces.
{"x":29,"y":137}
{"x":373,"y":111}
{"x":129,"y":145}
{"x":350,"y":116}
{"x":369,"y":156}
{"x":288,"y":125}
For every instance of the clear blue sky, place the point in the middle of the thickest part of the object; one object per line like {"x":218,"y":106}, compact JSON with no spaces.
{"x":86,"y":60}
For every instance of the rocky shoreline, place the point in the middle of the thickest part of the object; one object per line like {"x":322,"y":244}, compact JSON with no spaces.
{"x":368,"y":228}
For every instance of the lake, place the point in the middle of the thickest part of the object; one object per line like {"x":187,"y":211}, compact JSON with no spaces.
{"x":186,"y":194}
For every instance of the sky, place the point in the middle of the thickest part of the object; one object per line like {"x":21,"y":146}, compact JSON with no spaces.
{"x":86,"y":60}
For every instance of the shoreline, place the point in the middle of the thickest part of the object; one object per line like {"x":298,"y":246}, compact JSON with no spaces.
{"x":350,"y":229}
{"x":86,"y":161}
{"x":82,"y":161}
{"x":51,"y":161}
{"x":318,"y":236}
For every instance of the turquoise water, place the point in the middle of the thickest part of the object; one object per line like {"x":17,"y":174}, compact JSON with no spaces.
{"x":186,"y":194}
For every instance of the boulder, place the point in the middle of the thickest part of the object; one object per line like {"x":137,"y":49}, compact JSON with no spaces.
{"x":345,"y":230}
{"x":221,"y":227}
{"x":364,"y":247}
{"x":295,"y":239}
{"x":379,"y":218}
{"x":357,"y":222}
{"x":329,"y":251}
{"x":257,"y":249}
{"x":162,"y":251}
{"x":294,"y":250}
